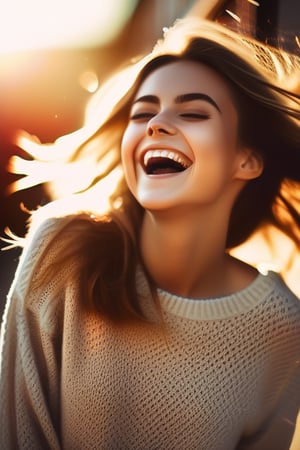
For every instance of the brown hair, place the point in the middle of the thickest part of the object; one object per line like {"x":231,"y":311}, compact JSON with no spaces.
{"x":264,"y":82}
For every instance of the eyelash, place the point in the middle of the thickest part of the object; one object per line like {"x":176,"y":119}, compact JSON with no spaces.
{"x":195,"y":116}
{"x":143,"y":115}
{"x":146,"y":115}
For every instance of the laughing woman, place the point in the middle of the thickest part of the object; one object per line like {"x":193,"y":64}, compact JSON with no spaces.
{"x":135,"y":328}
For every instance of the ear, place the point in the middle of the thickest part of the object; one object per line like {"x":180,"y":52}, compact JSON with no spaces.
{"x":250,"y":165}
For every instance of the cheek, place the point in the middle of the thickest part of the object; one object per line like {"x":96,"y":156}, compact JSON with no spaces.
{"x":214,"y":151}
{"x":222,"y":137}
{"x":230,"y":131}
{"x":125,"y":142}
{"x":211,"y":142}
{"x":130,"y":140}
{"x":128,"y":146}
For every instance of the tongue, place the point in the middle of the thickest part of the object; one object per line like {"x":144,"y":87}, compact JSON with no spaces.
{"x":162,"y":170}
{"x":157,"y":166}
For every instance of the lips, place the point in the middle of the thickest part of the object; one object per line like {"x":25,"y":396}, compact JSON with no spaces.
{"x":164,"y":161}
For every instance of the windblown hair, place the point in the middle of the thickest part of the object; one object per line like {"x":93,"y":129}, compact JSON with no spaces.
{"x":265,"y":86}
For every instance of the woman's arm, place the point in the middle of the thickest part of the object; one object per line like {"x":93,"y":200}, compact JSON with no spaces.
{"x":30,"y":355}
{"x":278,"y":433}
{"x":279,"y":426}
{"x":29,"y":383}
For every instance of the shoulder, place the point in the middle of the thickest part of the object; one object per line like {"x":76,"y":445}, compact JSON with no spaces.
{"x":278,"y":302}
{"x":286,"y":307}
{"x":55,"y":249}
{"x":280,"y":317}
{"x":266,"y":284}
{"x":270,"y":305}
{"x":40,"y":237}
{"x":280,"y":292}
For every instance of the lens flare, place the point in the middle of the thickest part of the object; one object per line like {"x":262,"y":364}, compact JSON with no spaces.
{"x":35,"y":24}
{"x":88,"y":80}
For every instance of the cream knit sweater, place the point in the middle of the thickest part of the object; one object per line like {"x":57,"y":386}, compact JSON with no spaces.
{"x":224,"y":374}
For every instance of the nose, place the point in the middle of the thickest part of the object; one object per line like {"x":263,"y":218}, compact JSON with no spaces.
{"x":159,"y":125}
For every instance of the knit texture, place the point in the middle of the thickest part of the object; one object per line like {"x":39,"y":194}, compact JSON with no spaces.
{"x":222,"y":374}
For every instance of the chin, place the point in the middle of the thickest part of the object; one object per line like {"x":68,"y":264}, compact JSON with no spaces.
{"x":155,"y":205}
{"x":160,"y":204}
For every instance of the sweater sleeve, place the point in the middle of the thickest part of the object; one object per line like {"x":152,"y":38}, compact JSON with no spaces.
{"x":30,"y":354}
{"x":279,"y":430}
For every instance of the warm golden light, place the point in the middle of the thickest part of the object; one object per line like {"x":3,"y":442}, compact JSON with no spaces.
{"x":270,"y":249}
{"x":34,"y":24}
{"x":233,"y":15}
{"x":88,"y":80}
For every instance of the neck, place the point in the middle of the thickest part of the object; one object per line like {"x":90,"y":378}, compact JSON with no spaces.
{"x":185,"y":253}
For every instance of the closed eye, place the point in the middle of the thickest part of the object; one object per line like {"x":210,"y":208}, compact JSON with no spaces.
{"x":141,"y":115}
{"x":148,"y":115}
{"x":195,"y":116}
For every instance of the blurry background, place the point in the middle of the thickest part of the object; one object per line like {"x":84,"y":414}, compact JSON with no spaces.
{"x":54,"y":54}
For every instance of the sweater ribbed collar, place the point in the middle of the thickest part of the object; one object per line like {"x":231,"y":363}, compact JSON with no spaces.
{"x":216,"y":308}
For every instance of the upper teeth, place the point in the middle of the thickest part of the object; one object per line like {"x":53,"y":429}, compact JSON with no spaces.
{"x":178,"y":157}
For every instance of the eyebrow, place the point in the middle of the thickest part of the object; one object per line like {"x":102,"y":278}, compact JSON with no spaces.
{"x":196,"y":96}
{"x":147,"y":99}
{"x":183,"y":98}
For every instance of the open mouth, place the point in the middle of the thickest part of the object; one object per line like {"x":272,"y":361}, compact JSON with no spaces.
{"x":157,"y":162}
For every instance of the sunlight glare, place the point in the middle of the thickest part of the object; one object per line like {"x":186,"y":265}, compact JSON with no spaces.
{"x":270,"y":249}
{"x":35,"y":24}
{"x":88,"y":80}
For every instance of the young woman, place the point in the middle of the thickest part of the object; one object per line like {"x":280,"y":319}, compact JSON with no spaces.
{"x":135,"y":328}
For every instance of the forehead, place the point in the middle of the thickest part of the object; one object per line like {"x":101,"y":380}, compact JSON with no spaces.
{"x":185,"y":76}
